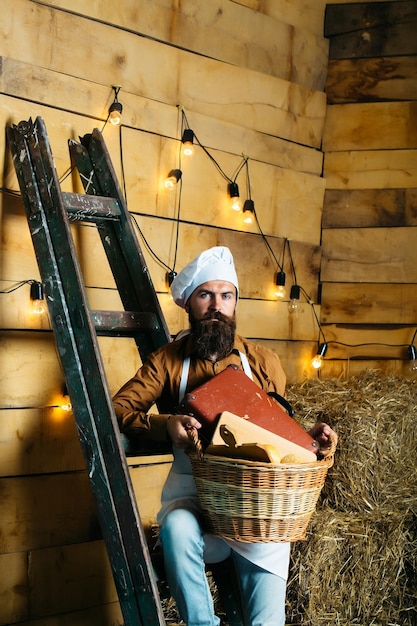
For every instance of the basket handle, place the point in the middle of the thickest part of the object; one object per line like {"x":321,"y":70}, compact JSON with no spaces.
{"x":195,"y":442}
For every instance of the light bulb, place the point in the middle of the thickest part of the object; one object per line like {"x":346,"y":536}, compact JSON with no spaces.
{"x":234,"y":199}
{"x":280,"y":285}
{"x":188,"y":142}
{"x":37,"y":302}
{"x":412,"y":353}
{"x":293,"y":304}
{"x":248,"y":211}
{"x":115,"y":113}
{"x":317,"y":362}
{"x":66,"y":404}
{"x":172,"y":179}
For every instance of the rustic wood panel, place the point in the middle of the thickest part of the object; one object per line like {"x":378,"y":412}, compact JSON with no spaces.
{"x":344,"y":208}
{"x":69,"y":578}
{"x":32,"y":374}
{"x":39,"y":85}
{"x":306,"y":14}
{"x":345,"y":368}
{"x":14,"y":591}
{"x":205,"y":28}
{"x":367,"y":303}
{"x":38,"y":441}
{"x":272,"y":320}
{"x":361,"y":80}
{"x":368,"y":169}
{"x":366,"y":30}
{"x":41,"y":511}
{"x":373,"y":342}
{"x":371,"y":126}
{"x":296,"y":357}
{"x":287,"y":110}
{"x":287,"y":203}
{"x":107,"y":615}
{"x":147,"y":481}
{"x":378,"y":255}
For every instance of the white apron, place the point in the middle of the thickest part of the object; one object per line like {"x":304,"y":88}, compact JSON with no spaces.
{"x":180,"y":491}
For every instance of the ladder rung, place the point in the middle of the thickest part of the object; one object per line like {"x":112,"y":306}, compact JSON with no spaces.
{"x":123,"y":322}
{"x":85,"y":208}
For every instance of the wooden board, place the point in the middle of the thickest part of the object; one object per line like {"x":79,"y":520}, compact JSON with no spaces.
{"x":345,"y":368}
{"x":347,"y":208}
{"x":205,"y":27}
{"x":371,"y":126}
{"x":364,"y":80}
{"x":306,"y":14}
{"x":32,"y":374}
{"x":39,"y":441}
{"x":368,"y":303}
{"x":371,"y":169}
{"x":373,"y":342}
{"x":14,"y":591}
{"x":362,"y":30}
{"x":378,"y":255}
{"x":29,"y":87}
{"x":286,"y":110}
{"x":48,"y":510}
{"x":70,"y":578}
{"x":107,"y":615}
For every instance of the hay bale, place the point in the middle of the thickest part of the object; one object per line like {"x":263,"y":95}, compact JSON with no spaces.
{"x":357,"y":565}
{"x":374,"y":416}
{"x":352,"y":569}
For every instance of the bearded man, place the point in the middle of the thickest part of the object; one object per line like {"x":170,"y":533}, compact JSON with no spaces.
{"x":207,"y":288}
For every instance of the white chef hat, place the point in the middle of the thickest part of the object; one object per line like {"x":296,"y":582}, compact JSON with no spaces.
{"x":212,"y":264}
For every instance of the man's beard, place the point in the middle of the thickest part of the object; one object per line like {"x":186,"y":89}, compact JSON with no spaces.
{"x":213,"y":338}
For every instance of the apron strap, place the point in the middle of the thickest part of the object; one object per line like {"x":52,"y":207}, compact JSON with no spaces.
{"x":186,"y":370}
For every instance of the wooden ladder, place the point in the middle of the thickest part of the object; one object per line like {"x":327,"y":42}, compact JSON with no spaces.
{"x":50,"y":212}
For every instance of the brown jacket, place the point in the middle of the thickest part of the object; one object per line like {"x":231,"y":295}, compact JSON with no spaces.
{"x":158,"y":380}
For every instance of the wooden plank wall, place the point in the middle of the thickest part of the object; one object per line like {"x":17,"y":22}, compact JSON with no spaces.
{"x":250,"y":76}
{"x":369,"y":236}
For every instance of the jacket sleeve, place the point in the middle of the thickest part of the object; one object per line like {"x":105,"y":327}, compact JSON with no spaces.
{"x":133,"y":402}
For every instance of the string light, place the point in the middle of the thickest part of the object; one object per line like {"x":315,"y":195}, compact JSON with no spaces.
{"x":317,"y":362}
{"x":248,"y":211}
{"x":36,"y":298}
{"x":280,"y":284}
{"x":172,"y":179}
{"x":187,"y":142}
{"x":116,"y":108}
{"x":412,"y":355}
{"x":234,"y":197}
{"x":293,"y":304}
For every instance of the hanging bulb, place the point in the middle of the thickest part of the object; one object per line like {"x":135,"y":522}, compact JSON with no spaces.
{"x":280,"y":284}
{"x":293,"y":304}
{"x":116,"y":108}
{"x":169,"y":277}
{"x":317,"y":362}
{"x":172,"y":179}
{"x":234,"y":199}
{"x":66,"y":401}
{"x":36,"y":298}
{"x":248,"y":211}
{"x":412,"y":355}
{"x":188,"y":142}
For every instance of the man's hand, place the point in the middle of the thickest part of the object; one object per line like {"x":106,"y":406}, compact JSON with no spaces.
{"x":178,"y":427}
{"x":324,"y":436}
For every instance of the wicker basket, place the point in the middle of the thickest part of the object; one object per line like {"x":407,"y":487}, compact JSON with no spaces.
{"x":258,"y":502}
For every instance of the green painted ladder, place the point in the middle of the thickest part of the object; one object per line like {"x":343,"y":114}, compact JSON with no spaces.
{"x":50,"y":212}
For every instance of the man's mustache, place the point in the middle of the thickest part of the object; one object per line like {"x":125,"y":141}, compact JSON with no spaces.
{"x":214,"y":315}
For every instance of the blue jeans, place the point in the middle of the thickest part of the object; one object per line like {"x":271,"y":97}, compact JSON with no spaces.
{"x":186,"y":550}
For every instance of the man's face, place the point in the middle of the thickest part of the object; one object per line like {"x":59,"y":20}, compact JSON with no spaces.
{"x":214,"y":296}
{"x":211,"y":310}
